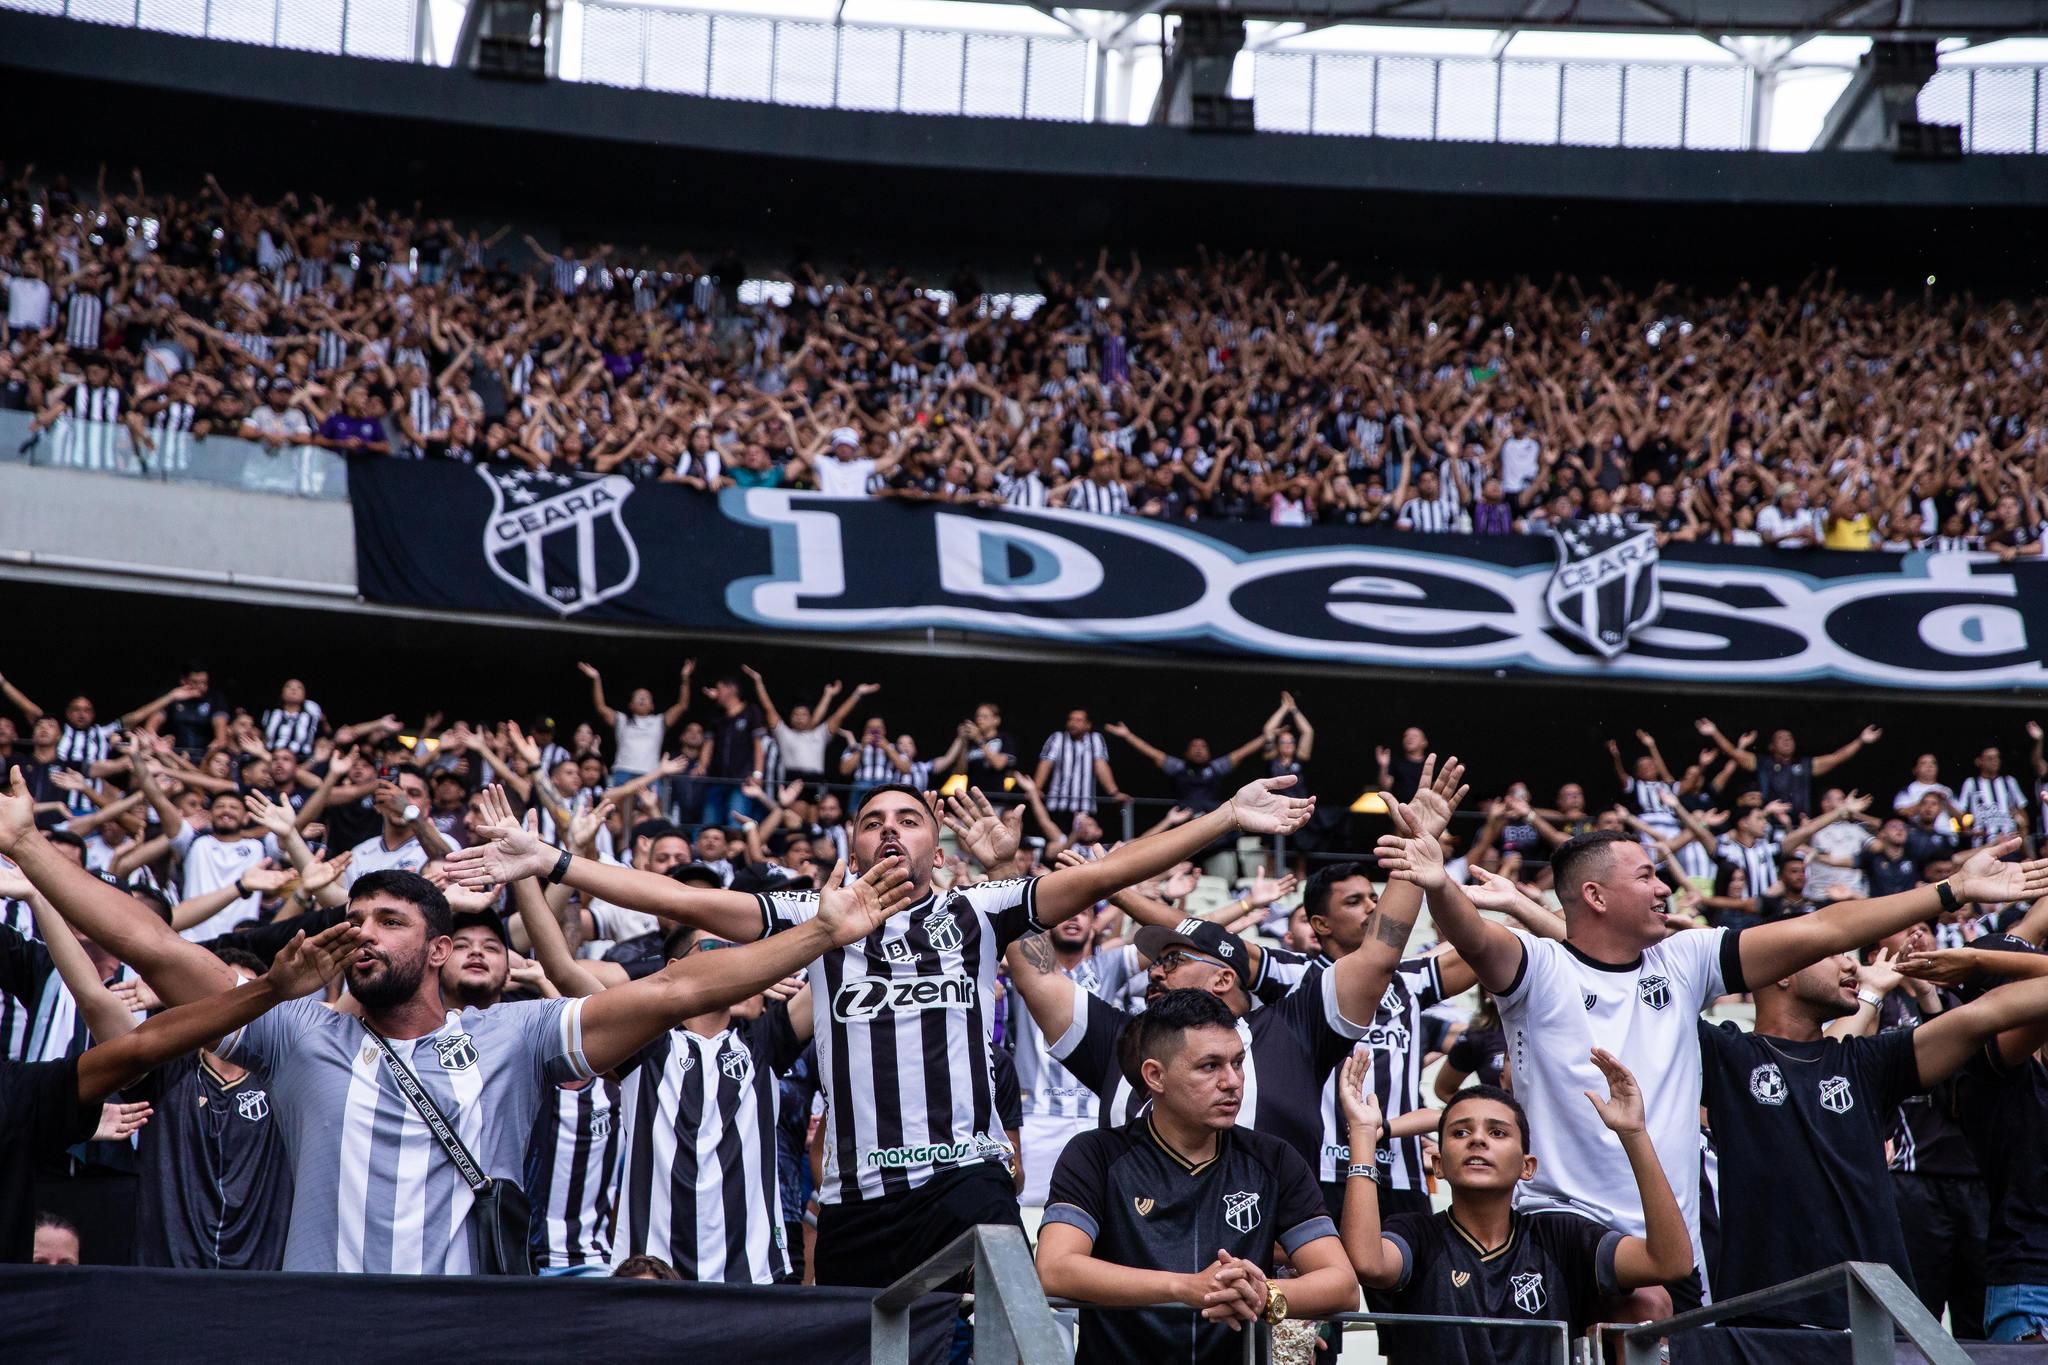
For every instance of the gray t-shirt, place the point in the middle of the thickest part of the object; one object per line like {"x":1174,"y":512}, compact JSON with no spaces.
{"x":373,"y":1191}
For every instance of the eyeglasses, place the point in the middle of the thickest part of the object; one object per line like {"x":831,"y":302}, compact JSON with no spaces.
{"x":1174,"y":957}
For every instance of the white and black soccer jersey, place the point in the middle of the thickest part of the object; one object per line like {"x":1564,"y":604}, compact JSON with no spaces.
{"x":79,"y":749}
{"x":873,"y":767}
{"x":1990,"y":803}
{"x":373,"y":1191}
{"x":1394,"y":1042}
{"x":572,"y":1167}
{"x":1758,"y":862}
{"x":700,"y":1188}
{"x":1070,"y":786}
{"x":1560,"y":1006}
{"x":904,"y":1034}
{"x":1049,"y":1090}
{"x":1646,"y":798}
{"x":1290,"y":1050}
{"x":293,"y":730}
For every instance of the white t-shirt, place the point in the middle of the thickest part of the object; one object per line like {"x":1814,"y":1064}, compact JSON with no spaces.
{"x":1520,"y":458}
{"x":28,"y":304}
{"x":1845,"y":840}
{"x":1647,"y":1015}
{"x":212,"y":863}
{"x":372,"y":856}
{"x":839,"y":478}
{"x":639,"y":741}
{"x":803,"y":751}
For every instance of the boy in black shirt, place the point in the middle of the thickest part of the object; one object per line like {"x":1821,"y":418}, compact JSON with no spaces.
{"x":1132,"y":1211}
{"x":1480,"y":1258}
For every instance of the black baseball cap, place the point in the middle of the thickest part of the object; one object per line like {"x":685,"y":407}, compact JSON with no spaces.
{"x":479,"y":919}
{"x":757,"y":877}
{"x":1201,"y":936}
{"x":698,"y":874}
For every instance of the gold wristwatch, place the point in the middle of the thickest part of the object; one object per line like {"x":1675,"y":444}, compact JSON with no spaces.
{"x":1276,"y":1304}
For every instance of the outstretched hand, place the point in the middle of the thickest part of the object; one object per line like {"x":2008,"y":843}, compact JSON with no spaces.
{"x":852,"y":910}
{"x":1437,"y":794}
{"x":1259,"y":807}
{"x":1411,"y":855}
{"x":512,"y":851}
{"x":1987,"y":880}
{"x":990,"y":837}
{"x":306,"y":964}
{"x":1622,"y":1111}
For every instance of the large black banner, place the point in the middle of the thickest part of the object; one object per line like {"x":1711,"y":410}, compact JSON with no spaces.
{"x":1579,"y":602}
{"x":95,"y":1315}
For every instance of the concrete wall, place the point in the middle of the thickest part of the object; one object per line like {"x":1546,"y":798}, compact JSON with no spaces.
{"x":65,"y":520}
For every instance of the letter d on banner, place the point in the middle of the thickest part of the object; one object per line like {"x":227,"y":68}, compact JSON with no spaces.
{"x":1005,"y":562}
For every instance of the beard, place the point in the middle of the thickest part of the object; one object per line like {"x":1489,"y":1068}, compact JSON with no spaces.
{"x":396,"y":984}
{"x":467,"y":992}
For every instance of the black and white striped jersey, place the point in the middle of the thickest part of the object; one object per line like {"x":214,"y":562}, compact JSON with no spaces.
{"x":1070,"y":786}
{"x":83,"y":313}
{"x":1394,"y":1042}
{"x":1022,"y":490}
{"x":293,"y":730}
{"x":102,"y":404}
{"x":1432,"y":516}
{"x":572,"y":1164}
{"x":700,"y":1188}
{"x":1758,"y":862}
{"x":1104,"y":499}
{"x":904,"y":1024}
{"x":1990,"y":803}
{"x":80,"y":749}
{"x":874,"y":767}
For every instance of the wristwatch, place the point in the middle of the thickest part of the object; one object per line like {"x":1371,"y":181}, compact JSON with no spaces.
{"x":1364,"y":1170}
{"x":1276,"y":1304}
{"x":1870,"y":997}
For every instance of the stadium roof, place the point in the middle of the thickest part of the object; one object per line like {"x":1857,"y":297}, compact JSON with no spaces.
{"x":1979,"y":19}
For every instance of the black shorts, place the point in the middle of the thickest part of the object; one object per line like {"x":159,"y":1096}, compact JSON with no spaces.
{"x":876,"y":1242}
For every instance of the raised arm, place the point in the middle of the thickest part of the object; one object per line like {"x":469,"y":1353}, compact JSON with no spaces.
{"x":303,"y":966}
{"x":1827,"y":763}
{"x":2016,"y":1015}
{"x":1665,"y":1253}
{"x":29,"y":710}
{"x":1491,"y":950}
{"x":1774,"y":951}
{"x":1738,"y":755}
{"x":550,"y":948}
{"x":1258,"y":808}
{"x":175,"y":969}
{"x":512,"y":852}
{"x":104,"y":1015}
{"x":604,"y":711}
{"x":682,"y":702}
{"x":1130,"y":737}
{"x":767,"y":703}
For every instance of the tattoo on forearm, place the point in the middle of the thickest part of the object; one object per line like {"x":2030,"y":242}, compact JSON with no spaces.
{"x":1390,"y":930}
{"x":1037,"y":951}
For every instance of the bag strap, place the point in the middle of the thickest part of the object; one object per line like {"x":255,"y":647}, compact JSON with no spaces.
{"x":450,"y":1142}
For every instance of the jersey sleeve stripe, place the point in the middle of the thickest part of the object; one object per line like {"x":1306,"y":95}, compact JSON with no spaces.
{"x":1063,"y":1046}
{"x":767,"y":914}
{"x":1031,"y":905}
{"x":572,"y":1040}
{"x":1073,"y":1218}
{"x":1334,"y":1014}
{"x":1732,"y":980}
{"x":1407,"y":1254}
{"x":1301,"y":1234}
{"x":1604,"y":1273}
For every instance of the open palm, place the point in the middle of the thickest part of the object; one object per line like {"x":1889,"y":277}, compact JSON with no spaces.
{"x":1264,"y":807}
{"x":1988,"y":881}
{"x":854,"y":909}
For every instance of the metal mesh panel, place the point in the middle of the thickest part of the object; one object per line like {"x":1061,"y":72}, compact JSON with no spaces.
{"x":1592,"y":104}
{"x":1466,"y":91}
{"x":1346,"y":90}
{"x":380,"y":28}
{"x":804,"y":58}
{"x":1405,"y":100}
{"x":870,"y":62}
{"x":995,"y":75}
{"x":2002,"y":109}
{"x":1653,"y":106}
{"x":1946,"y":99}
{"x":1058,"y":84}
{"x":678,"y":55}
{"x":1717,"y":108}
{"x":742,"y":57}
{"x":934,"y":64}
{"x":253,"y":21}
{"x":121,"y":12}
{"x":1528,"y":101}
{"x":34,"y":6}
{"x":614,"y":45}
{"x":173,"y":16}
{"x":314,"y":25}
{"x":1283,"y":83}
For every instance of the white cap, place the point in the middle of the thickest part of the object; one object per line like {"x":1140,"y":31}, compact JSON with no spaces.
{"x":845,"y":436}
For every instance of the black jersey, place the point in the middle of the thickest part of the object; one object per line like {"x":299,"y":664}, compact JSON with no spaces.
{"x":1554,"y":1266}
{"x":2004,"y":1112}
{"x":1144,"y":1206}
{"x":216,"y":1184}
{"x":1800,"y":1128}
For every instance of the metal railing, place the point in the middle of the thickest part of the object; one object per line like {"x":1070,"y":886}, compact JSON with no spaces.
{"x":384,"y":30}
{"x":1999,"y":107}
{"x":298,"y":471}
{"x":1879,"y":1301}
{"x":877,"y":67}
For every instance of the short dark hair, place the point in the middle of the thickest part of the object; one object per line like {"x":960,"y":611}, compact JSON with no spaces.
{"x":872,"y":792}
{"x":645,"y":1268}
{"x":157,"y":901}
{"x":1572,"y":863}
{"x":412,"y":888}
{"x":65,"y":838}
{"x":1486,"y":1092}
{"x":1157,"y":1032}
{"x":241,"y":959}
{"x":1315,"y":897}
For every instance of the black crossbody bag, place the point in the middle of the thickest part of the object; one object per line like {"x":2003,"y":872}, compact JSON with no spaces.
{"x":500,"y":1212}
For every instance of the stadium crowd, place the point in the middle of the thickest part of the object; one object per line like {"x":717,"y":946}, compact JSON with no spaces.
{"x":1241,"y":388}
{"x":731,"y":991}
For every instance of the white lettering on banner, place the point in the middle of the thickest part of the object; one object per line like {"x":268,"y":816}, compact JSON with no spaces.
{"x":595,"y":557}
{"x":1377,"y":604}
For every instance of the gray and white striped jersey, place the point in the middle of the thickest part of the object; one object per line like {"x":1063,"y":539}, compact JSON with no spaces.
{"x":1048,"y":1089}
{"x":374,"y":1191}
